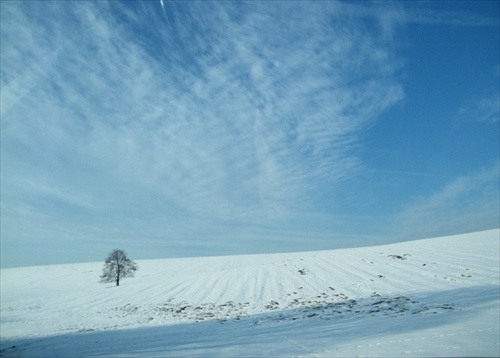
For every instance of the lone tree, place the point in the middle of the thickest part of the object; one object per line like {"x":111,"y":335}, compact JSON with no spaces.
{"x":118,"y":266}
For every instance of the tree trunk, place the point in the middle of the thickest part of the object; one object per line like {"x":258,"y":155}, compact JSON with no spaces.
{"x":118,"y":273}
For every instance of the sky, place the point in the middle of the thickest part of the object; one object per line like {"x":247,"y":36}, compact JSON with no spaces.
{"x":195,"y":128}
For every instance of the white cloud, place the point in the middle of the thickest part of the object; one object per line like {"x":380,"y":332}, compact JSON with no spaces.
{"x":230,"y":111}
{"x":430,"y":16}
{"x":467,"y":203}
{"x":485,"y":110}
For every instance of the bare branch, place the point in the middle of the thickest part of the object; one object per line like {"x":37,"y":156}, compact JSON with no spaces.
{"x":117,"y":266}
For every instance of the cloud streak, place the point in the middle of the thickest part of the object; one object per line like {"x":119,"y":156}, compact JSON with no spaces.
{"x":486,"y":110}
{"x":276,"y":102}
{"x":465,"y":204}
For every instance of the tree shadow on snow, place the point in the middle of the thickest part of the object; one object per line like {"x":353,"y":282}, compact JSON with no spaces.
{"x":276,"y":332}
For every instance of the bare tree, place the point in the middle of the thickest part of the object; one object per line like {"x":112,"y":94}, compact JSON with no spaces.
{"x":118,"y":266}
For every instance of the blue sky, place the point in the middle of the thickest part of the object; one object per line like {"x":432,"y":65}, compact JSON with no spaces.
{"x":173,"y":129}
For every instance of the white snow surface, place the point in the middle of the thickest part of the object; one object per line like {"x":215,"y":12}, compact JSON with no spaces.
{"x":433,"y":297}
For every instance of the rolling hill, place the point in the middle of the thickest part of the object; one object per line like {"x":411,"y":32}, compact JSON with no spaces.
{"x":432,"y":297}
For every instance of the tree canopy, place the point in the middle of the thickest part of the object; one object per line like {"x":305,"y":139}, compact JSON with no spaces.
{"x":118,"y":266}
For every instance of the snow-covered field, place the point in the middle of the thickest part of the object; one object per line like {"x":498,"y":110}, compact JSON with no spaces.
{"x":435,"y":297}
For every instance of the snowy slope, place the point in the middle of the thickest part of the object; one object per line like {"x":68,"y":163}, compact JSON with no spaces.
{"x":434,"y":297}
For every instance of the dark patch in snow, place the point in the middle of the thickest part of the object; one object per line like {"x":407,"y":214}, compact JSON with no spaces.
{"x":399,"y":257}
{"x":321,"y":306}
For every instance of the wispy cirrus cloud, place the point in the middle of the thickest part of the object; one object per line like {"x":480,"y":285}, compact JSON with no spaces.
{"x":226,"y":112}
{"x":465,"y":204}
{"x":436,"y":14}
{"x":485,"y":110}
